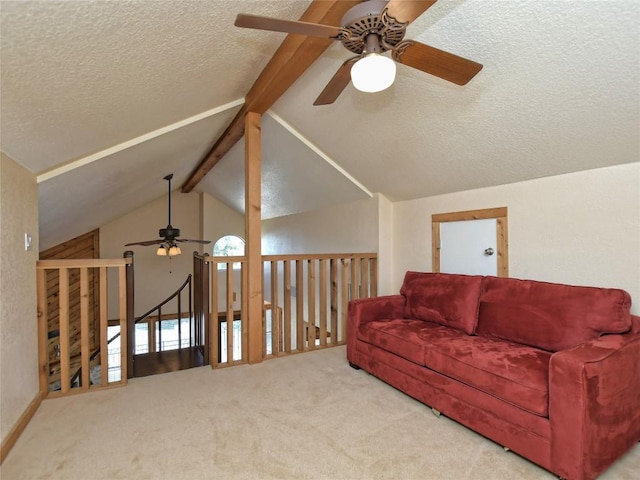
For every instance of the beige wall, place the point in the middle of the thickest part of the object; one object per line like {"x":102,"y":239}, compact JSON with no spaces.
{"x":581,"y":228}
{"x":219,"y":220}
{"x":18,"y":308}
{"x":155,"y":277}
{"x":197,"y":215}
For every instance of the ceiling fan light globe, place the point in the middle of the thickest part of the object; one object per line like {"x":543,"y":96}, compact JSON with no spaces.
{"x":373,"y":73}
{"x":175,"y":250}
{"x":162,"y":251}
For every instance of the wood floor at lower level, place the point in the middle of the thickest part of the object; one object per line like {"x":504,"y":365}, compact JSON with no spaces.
{"x":167,"y":361}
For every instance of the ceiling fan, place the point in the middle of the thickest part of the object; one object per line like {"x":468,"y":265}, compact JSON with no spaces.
{"x":168,"y":243}
{"x":369,"y":29}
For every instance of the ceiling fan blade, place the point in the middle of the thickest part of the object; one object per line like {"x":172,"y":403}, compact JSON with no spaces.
{"x":437,"y":62}
{"x":204,"y":242}
{"x":145,"y":243}
{"x":406,"y":11}
{"x":286,"y":26}
{"x":337,"y":84}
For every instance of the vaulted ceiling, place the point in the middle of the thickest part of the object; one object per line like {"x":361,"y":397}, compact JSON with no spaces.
{"x":102,"y":99}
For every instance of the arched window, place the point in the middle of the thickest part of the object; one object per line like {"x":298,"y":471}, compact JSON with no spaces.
{"x":228,"y":246}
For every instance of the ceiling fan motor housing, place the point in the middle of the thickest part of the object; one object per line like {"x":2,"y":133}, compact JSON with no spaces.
{"x":367,"y":18}
{"x":169,"y":233}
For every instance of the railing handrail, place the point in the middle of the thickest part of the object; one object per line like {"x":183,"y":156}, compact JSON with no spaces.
{"x":222,"y":259}
{"x":165,"y":301}
{"x":83,"y":262}
{"x":318,"y":256}
{"x":300,"y":256}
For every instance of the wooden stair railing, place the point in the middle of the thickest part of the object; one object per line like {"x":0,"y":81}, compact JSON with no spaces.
{"x":73,"y":350}
{"x":151,"y":319}
{"x":141,"y":318}
{"x":305,"y":300}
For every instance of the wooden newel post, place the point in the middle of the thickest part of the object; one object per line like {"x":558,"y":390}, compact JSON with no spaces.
{"x":131,"y":321}
{"x":253,"y":232}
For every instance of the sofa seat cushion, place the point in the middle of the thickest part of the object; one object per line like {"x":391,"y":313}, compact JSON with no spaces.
{"x":550,"y":316}
{"x":404,"y":337}
{"x":517,"y":374}
{"x":448,"y":299}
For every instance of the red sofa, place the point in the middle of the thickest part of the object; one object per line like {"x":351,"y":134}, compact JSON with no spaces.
{"x":549,"y":371}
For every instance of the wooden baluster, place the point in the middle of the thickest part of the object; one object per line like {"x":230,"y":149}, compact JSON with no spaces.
{"x":355,"y":281}
{"x":230,"y":313}
{"x":151,"y":333}
{"x":311,"y":304}
{"x":364,"y":275}
{"x":374,"y":277}
{"x":104,"y":328}
{"x":127,"y":341}
{"x":124,"y":314}
{"x":333,"y":273}
{"x":64,"y":329}
{"x":244,"y":312}
{"x":180,"y":320}
{"x":264,"y":318}
{"x":159,"y":345}
{"x":206,"y":313}
{"x":287,"y":305}
{"x":300,"y":333}
{"x":344,"y":297}
{"x":214,"y":322}
{"x":323,"y":301}
{"x":85,"y":348}
{"x":275,"y":317}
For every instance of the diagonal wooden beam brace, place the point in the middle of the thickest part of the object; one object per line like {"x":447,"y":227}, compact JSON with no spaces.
{"x":291,"y":60}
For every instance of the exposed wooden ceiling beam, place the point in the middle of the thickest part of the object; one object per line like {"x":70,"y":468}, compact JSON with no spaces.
{"x":291,"y":60}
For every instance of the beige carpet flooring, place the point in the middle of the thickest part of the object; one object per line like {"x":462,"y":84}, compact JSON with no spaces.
{"x":307,"y":416}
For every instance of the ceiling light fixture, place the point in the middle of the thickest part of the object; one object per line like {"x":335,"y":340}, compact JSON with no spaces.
{"x":373,"y":73}
{"x":170,"y":250}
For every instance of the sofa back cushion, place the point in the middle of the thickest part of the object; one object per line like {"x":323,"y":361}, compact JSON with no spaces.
{"x":548,"y":315}
{"x":446,"y":299}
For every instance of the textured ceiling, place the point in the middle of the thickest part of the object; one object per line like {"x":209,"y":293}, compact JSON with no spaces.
{"x":559,"y":92}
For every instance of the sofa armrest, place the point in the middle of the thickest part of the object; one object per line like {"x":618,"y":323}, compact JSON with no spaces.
{"x":368,"y":309}
{"x":594,"y":404}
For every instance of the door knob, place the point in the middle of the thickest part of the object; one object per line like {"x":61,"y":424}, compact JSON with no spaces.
{"x":488,"y":251}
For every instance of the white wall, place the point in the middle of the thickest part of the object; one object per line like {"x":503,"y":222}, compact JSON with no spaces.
{"x":385,"y":246}
{"x":346,"y":228}
{"x":581,"y":228}
{"x":18,"y":306}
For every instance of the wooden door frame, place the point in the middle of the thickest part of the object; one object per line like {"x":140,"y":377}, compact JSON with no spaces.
{"x":502,"y":237}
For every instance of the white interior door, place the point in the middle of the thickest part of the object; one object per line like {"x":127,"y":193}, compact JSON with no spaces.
{"x":469,"y":247}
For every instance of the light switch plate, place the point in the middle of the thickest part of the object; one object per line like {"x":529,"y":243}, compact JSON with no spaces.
{"x":28,"y":242}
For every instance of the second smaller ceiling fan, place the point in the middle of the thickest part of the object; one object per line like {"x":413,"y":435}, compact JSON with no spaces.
{"x":168,"y":243}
